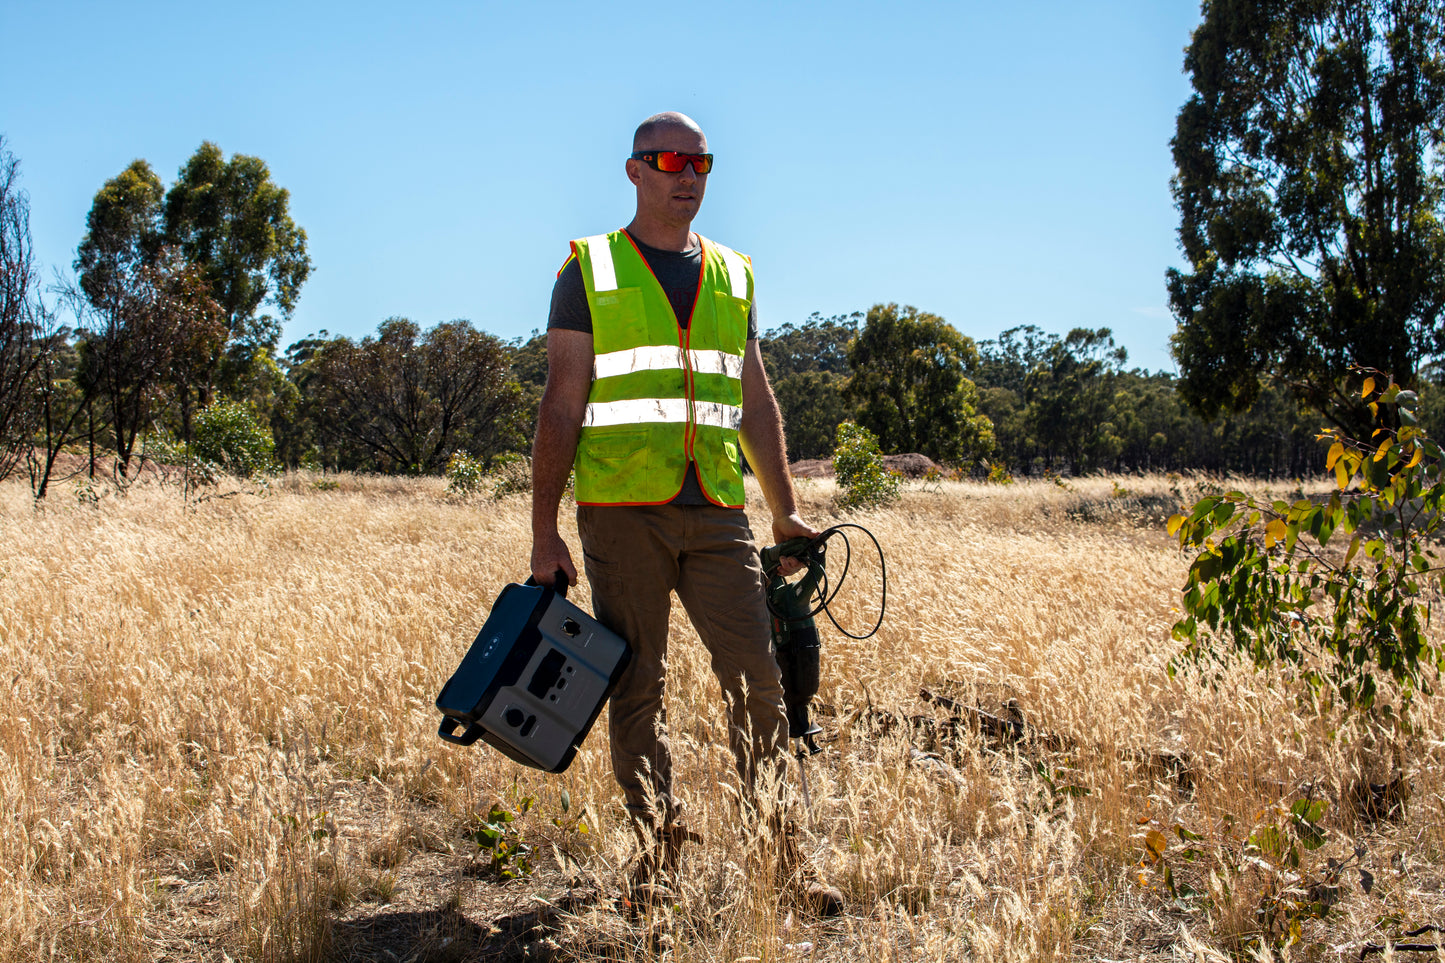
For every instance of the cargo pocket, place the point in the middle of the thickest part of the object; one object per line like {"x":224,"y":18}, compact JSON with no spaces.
{"x":605,"y":578}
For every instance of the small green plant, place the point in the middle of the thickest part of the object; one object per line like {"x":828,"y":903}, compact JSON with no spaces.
{"x":1058,"y":787}
{"x":858,"y":466}
{"x":1338,"y":589}
{"x":573,"y":828}
{"x":86,"y":493}
{"x":227,"y":435}
{"x":509,"y":855}
{"x":1119,"y":490}
{"x":316,"y":826}
{"x":465,"y":474}
{"x":998,"y":474}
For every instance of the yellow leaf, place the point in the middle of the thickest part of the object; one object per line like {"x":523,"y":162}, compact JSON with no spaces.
{"x":1174,"y":522}
{"x":1415,"y":458}
{"x":1155,"y":843}
{"x":1384,"y":447}
{"x":1336,"y":450}
{"x":1342,"y":477}
{"x":1276,"y":529}
{"x":1369,"y":387}
{"x":1374,"y":409}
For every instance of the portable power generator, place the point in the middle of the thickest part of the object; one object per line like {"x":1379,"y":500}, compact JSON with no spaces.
{"x":535,"y":679}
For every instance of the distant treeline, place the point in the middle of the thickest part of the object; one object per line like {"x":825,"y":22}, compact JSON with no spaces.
{"x":1055,"y":403}
{"x":404,"y":400}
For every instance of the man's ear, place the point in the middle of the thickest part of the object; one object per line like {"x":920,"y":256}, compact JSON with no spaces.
{"x":634,"y":170}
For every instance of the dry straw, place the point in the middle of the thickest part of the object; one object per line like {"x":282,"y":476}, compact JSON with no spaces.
{"x":217,"y":740}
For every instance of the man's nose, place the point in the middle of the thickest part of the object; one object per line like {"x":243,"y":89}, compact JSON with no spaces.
{"x":687,"y":173}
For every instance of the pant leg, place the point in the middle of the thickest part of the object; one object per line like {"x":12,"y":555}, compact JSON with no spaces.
{"x":631,"y":566}
{"x":720,"y":582}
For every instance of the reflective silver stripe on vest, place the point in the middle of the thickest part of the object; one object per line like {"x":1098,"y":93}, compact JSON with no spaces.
{"x":664,"y":358}
{"x":717,"y":362}
{"x":628,"y":360}
{"x":604,"y":275}
{"x":719,"y":415}
{"x":635,"y":411}
{"x":643,"y":411}
{"x":737,"y":271}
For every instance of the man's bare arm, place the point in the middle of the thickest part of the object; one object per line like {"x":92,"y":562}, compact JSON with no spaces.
{"x":761,"y":435}
{"x":559,"y":420}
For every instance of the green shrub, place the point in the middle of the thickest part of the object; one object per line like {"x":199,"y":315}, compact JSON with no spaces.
{"x":227,"y":435}
{"x":858,"y":466}
{"x":465,"y":474}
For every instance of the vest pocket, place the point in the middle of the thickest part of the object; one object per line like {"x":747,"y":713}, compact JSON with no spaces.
{"x":616,"y":442}
{"x":618,"y":319}
{"x":605,"y":455}
{"x":732,"y":322}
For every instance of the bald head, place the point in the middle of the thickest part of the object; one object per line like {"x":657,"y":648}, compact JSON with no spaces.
{"x":667,"y":121}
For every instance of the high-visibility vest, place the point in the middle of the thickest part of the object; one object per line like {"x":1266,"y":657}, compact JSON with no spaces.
{"x":662,"y":395}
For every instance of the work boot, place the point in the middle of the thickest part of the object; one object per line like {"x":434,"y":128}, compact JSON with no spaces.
{"x":801,"y":879}
{"x":652,"y":880}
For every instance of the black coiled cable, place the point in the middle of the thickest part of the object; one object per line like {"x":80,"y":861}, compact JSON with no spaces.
{"x":825,"y":597}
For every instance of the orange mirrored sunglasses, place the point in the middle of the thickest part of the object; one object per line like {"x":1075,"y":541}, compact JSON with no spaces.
{"x":672,"y":162}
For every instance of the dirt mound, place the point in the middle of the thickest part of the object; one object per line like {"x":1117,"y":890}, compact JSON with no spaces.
{"x":912,"y":465}
{"x":812,"y":468}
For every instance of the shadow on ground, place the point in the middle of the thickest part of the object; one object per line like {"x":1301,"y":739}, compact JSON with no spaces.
{"x":447,"y":935}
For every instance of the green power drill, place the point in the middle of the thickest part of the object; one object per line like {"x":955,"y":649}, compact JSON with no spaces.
{"x":795,"y":636}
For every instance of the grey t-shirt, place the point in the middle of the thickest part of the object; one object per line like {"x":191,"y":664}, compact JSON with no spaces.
{"x":678,"y":272}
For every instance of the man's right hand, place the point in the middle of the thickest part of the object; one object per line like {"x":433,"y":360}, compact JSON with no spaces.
{"x":549,"y":554}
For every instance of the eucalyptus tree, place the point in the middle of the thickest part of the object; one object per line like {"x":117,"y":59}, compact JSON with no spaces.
{"x":1309,"y":186}
{"x":229,"y":221}
{"x":909,"y":382}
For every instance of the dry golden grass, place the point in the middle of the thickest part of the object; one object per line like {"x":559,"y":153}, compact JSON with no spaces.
{"x":217,"y":740}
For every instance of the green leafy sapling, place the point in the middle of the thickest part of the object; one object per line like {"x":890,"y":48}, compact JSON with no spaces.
{"x":1339,"y":589}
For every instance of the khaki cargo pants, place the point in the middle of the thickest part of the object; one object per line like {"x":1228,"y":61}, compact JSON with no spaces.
{"x":635,"y":557}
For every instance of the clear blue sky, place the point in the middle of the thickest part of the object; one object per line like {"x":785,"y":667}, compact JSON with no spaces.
{"x":997,"y":164}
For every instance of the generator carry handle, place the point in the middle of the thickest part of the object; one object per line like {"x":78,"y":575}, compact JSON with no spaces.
{"x":559,"y":586}
{"x":448,"y":731}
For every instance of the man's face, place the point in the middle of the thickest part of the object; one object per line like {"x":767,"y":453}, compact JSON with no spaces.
{"x":669,"y":198}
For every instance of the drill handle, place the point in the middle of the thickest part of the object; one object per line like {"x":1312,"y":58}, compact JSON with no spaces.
{"x":801,"y":547}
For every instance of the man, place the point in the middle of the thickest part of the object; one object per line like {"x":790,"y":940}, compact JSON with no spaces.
{"x":654,"y":383}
